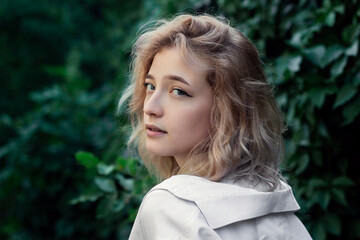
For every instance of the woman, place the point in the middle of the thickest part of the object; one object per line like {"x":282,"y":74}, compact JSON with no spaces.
{"x":205,"y":120}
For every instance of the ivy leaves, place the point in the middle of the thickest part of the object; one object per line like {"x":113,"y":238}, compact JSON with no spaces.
{"x":314,"y":51}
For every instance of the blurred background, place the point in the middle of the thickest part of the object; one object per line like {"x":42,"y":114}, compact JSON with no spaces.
{"x":65,"y":172}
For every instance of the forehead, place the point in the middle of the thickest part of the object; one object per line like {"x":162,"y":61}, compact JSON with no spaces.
{"x":172,"y":60}
{"x":187,"y":57}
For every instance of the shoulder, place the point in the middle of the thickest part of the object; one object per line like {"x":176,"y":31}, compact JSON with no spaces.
{"x":175,"y":196}
{"x":162,"y":215}
{"x":233,"y":202}
{"x":163,"y":202}
{"x":196,"y":188}
{"x":190,"y":207}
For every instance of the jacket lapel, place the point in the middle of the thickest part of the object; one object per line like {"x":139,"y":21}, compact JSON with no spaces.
{"x":223,"y":203}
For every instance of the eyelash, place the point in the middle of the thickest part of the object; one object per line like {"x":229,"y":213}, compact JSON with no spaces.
{"x":146,"y":85}
{"x":180,"y":91}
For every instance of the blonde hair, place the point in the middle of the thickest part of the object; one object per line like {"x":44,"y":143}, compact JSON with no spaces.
{"x":245,"y":138}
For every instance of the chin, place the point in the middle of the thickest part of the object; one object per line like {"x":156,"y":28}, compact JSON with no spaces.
{"x":158,"y":151}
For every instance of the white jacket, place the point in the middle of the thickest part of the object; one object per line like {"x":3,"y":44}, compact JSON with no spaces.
{"x":190,"y":207}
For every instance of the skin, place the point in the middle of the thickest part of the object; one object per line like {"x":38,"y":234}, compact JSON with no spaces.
{"x":177,"y":106}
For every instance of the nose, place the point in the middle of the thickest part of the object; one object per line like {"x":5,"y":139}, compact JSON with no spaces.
{"x":153,"y":105}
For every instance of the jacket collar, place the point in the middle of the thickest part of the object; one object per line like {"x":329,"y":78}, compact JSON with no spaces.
{"x":224,"y":203}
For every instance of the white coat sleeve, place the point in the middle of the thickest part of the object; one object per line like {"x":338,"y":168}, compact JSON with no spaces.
{"x":165,"y":216}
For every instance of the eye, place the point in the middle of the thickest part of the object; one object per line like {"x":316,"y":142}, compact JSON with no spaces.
{"x":180,"y":92}
{"x":149,"y":87}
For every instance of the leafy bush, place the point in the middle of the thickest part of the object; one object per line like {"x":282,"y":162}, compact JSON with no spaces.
{"x":119,"y":187}
{"x":314,"y":48}
{"x":63,"y":65}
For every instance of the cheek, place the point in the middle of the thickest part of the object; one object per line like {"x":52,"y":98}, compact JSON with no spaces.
{"x":193,"y":122}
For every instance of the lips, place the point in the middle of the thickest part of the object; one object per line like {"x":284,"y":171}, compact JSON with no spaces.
{"x":154,"y":128}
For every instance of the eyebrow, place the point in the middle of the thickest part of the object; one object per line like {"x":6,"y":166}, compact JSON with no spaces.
{"x":170,"y":77}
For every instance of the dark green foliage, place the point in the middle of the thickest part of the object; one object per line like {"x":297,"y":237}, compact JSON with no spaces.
{"x":65,"y":172}
{"x":314,"y":50}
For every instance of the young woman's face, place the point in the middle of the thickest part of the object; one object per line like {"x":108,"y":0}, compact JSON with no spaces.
{"x":177,"y":106}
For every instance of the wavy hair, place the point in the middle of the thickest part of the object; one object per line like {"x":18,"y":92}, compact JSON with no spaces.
{"x":245,"y":139}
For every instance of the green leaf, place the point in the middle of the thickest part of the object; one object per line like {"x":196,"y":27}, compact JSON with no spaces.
{"x":319,"y":232}
{"x":105,"y":184}
{"x":8,"y":148}
{"x":324,"y":199}
{"x":290,"y":147}
{"x":323,"y":130}
{"x":291,"y":112}
{"x":351,"y":33}
{"x":339,"y":9}
{"x":132,"y":214}
{"x":294,"y":64}
{"x":330,"y":19}
{"x":317,"y":96}
{"x":127,"y":183}
{"x":345,"y":94}
{"x":282,"y":100}
{"x":281,"y":65}
{"x":302,"y":37}
{"x":339,"y":66}
{"x":301,"y":137}
{"x":356,"y":80}
{"x":86,"y":159}
{"x":351,"y":111}
{"x":132,"y":166}
{"x":90,"y":197}
{"x":122,"y":163}
{"x":54,"y":70}
{"x":353,"y":49}
{"x":339,"y":196}
{"x":303,"y":163}
{"x":315,"y":54}
{"x":128,"y":165}
{"x":47,"y":94}
{"x":316,"y":183}
{"x":332,"y":224}
{"x":296,"y":39}
{"x":105,"y":207}
{"x":118,"y":205}
{"x":104,"y":169}
{"x":290,"y":62}
{"x":342,"y":181}
{"x":332,"y":53}
{"x":6,"y":120}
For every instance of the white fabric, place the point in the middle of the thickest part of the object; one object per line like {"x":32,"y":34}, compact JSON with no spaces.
{"x":190,"y":207}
